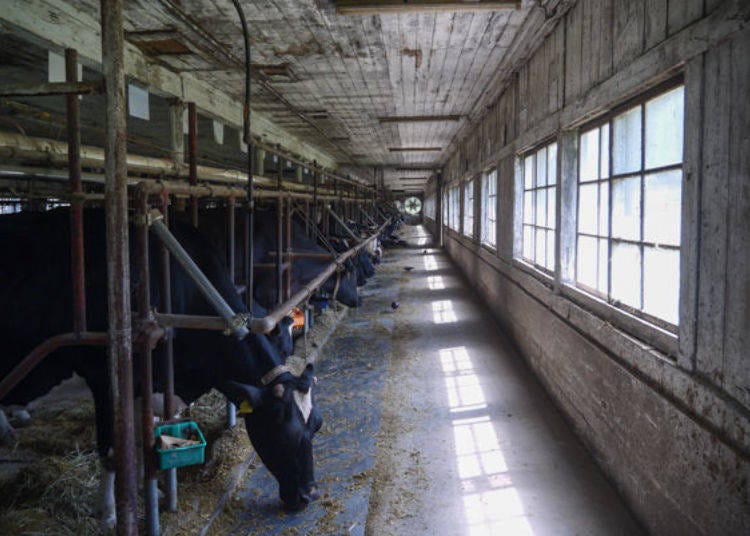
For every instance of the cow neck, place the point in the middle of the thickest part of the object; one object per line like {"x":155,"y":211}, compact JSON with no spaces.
{"x":266,"y":360}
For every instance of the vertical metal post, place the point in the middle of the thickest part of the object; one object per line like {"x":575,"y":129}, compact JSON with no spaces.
{"x":150,"y":489}
{"x":279,"y":237}
{"x":308,"y":231}
{"x":193,"y":158}
{"x":289,"y":256}
{"x":231,"y":414}
{"x":118,"y":267}
{"x":168,"y":359}
{"x":72,"y":105}
{"x":316,"y":180}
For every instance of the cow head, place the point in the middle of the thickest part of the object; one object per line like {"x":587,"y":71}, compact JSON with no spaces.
{"x":347,"y":291}
{"x":281,"y":336}
{"x":281,"y":421}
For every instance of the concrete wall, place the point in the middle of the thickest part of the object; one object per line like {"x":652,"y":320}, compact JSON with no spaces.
{"x":667,"y":415}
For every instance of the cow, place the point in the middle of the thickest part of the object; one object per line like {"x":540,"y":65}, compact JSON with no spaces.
{"x":343,"y":284}
{"x":36,"y":296}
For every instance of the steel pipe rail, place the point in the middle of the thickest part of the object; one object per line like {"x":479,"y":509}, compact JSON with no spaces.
{"x":43,"y":89}
{"x":267,"y":323}
{"x":344,"y":225}
{"x":15,"y":146}
{"x":234,"y":322}
{"x":37,"y":355}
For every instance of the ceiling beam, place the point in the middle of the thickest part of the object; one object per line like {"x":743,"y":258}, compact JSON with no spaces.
{"x":414,"y":149}
{"x":417,"y":168}
{"x":418,"y":118}
{"x":375,"y":7}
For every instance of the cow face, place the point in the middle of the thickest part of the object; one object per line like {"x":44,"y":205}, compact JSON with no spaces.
{"x":281,"y":426}
{"x":282,"y":338}
{"x":347,"y":292}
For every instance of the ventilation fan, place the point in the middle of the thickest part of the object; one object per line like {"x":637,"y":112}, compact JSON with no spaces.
{"x":413,"y":206}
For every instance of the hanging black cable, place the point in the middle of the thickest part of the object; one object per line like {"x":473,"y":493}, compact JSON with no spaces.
{"x":249,"y":220}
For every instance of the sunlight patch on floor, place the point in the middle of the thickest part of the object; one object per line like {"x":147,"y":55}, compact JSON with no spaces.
{"x":491,"y":503}
{"x":443,"y":313}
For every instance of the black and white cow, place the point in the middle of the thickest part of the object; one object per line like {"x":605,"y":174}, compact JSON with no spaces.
{"x":36,"y":297}
{"x":212,"y":223}
{"x":304,"y":270}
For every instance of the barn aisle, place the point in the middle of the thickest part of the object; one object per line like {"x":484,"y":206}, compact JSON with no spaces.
{"x":434,"y":426}
{"x":470,"y":444}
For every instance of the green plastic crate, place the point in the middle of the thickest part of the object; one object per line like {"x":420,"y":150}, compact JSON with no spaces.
{"x":180,"y":456}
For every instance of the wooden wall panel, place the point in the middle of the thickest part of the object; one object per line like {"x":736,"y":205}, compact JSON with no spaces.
{"x":573,"y":43}
{"x":655,"y":23}
{"x":682,"y":13}
{"x":737,"y":307}
{"x":714,"y":206}
{"x":627,"y":31}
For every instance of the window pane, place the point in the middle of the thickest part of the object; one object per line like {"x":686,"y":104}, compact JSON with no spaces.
{"x":550,"y":264}
{"x":626,"y":208}
{"x":528,"y":207}
{"x":664,"y":129}
{"x":662,"y":207}
{"x":541,"y":207}
{"x":528,"y":172}
{"x":551,"y":208}
{"x":603,"y":265}
{"x":661,"y":283}
{"x":541,"y":247}
{"x":587,"y":155}
{"x":586,"y":261}
{"x":604,"y":152}
{"x":626,"y":274}
{"x":552,"y":164}
{"x":541,"y":167}
{"x":587,"y":208}
{"x":604,"y":209}
{"x":626,"y":146}
{"x":528,"y":242}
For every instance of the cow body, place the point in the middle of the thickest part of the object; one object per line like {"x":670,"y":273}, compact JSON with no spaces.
{"x":36,"y":295}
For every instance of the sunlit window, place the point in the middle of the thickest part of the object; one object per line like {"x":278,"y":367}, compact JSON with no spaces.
{"x":489,"y":209}
{"x":629,"y":207}
{"x":469,"y":208}
{"x":539,"y":204}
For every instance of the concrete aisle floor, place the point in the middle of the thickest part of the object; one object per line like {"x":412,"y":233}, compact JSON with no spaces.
{"x":470,"y":444}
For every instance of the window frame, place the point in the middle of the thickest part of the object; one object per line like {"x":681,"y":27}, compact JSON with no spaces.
{"x":468,"y":213}
{"x":533,"y":152}
{"x":488,"y":177}
{"x":607,"y":120}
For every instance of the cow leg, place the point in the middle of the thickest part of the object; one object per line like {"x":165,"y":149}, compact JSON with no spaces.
{"x":104,"y":418}
{"x":106,"y":508}
{"x":7,"y":436}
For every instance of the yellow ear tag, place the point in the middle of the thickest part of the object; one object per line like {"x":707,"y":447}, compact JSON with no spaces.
{"x":245,"y":407}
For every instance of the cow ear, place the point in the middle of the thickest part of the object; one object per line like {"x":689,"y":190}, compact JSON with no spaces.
{"x":305,"y":380}
{"x":241,"y":392}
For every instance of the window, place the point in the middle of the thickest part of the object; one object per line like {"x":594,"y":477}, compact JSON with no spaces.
{"x":455,"y":210}
{"x":539,"y":206}
{"x":446,"y":196}
{"x":489,"y":209}
{"x":629,"y":207}
{"x":469,"y":208}
{"x":138,"y":102}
